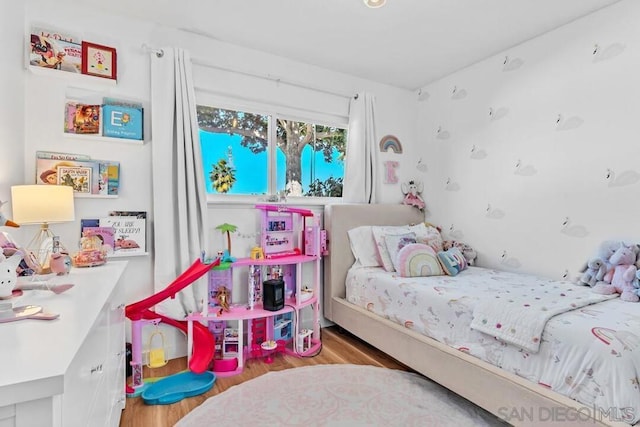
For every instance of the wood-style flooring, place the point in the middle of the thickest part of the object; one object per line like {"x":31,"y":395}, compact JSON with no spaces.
{"x":338,"y":346}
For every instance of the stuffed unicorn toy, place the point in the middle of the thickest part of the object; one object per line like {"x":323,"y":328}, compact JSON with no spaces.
{"x":3,"y":219}
{"x":619,"y":279}
{"x":8,"y":276}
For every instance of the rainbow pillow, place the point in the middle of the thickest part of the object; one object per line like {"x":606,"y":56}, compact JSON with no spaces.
{"x":417,"y":260}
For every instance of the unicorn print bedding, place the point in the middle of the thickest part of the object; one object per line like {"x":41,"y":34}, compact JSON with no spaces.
{"x":585,"y":346}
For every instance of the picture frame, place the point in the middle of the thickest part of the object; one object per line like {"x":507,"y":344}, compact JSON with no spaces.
{"x":99,"y":60}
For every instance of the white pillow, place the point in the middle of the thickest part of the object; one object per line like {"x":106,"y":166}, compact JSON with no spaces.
{"x":395,"y":242}
{"x":380,"y":231}
{"x":431,"y":237}
{"x":363,"y":246}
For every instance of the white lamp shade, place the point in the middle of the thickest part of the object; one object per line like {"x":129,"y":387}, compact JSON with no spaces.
{"x":39,"y":204}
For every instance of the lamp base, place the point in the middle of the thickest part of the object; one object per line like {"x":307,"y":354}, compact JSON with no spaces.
{"x":39,"y":250}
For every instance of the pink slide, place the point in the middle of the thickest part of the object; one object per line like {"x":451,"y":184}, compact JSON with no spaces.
{"x":203,"y":341}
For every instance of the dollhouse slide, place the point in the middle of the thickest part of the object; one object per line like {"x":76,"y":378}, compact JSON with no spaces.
{"x":203,"y":341}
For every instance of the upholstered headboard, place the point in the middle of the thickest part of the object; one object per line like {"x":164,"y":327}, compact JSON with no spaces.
{"x":340,"y":218}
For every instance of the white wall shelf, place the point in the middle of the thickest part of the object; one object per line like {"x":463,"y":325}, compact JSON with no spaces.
{"x":127,"y":254}
{"x":83,"y":79}
{"x":100,"y":138}
{"x":95,"y":196}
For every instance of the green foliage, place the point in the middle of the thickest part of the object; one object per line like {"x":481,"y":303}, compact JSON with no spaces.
{"x":332,"y":187}
{"x":292,"y":137}
{"x":222,"y":176}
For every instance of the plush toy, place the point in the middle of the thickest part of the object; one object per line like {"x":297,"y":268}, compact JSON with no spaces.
{"x":8,"y":276}
{"x":411,"y":191}
{"x":620,"y":277}
{"x":603,"y":254}
{"x":596,"y":269}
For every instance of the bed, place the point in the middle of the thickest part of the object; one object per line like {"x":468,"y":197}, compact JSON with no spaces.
{"x":470,"y":362}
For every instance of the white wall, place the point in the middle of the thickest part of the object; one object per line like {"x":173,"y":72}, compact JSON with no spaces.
{"x":44,"y":97}
{"x":11,"y":103}
{"x":519,"y":213}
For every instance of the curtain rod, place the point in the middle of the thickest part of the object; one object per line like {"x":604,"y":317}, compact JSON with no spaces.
{"x":271,"y":78}
{"x":160,"y":53}
{"x":157,"y":52}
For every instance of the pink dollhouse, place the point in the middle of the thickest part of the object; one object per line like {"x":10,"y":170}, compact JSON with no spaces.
{"x":291,"y":240}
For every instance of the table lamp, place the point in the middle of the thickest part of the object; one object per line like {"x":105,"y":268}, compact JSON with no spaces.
{"x":42,"y":204}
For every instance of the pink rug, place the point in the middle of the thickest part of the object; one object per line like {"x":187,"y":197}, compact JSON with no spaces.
{"x":338,"y":395}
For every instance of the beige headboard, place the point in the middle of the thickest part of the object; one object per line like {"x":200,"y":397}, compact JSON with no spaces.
{"x":338,"y":219}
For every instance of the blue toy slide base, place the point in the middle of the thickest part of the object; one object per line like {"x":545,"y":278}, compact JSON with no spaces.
{"x":177,"y":387}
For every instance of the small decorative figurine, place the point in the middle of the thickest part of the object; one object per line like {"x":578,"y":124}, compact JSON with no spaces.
{"x":60,"y":263}
{"x":222,"y":296}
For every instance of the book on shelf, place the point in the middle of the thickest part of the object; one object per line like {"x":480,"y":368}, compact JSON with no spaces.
{"x":103,"y":178}
{"x":56,"y":50}
{"x":113,"y":178}
{"x":82,"y":118}
{"x":122,"y":119}
{"x":105,"y":234}
{"x":136,"y":214}
{"x":54,"y":155}
{"x":129,"y":233}
{"x":87,"y":223}
{"x":76,"y":177}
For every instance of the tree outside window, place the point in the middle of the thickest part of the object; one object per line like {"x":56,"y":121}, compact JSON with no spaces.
{"x":309,"y":158}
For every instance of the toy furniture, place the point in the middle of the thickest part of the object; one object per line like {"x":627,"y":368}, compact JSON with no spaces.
{"x":285,"y":241}
{"x":69,"y":371}
{"x":201,"y":338}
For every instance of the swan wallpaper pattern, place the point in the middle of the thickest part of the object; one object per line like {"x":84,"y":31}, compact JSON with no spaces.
{"x":540,"y":154}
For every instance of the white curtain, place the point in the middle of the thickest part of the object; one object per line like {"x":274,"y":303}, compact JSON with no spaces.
{"x":361,"y":175}
{"x":179,"y":194}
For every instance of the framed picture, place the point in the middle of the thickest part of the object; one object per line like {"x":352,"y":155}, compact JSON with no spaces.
{"x":99,"y":60}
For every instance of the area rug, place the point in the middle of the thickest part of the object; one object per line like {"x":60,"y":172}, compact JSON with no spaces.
{"x":338,"y":395}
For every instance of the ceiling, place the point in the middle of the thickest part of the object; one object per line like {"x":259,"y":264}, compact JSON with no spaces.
{"x":407,"y":43}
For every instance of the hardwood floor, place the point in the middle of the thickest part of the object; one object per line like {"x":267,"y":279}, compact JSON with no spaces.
{"x":337,"y":347}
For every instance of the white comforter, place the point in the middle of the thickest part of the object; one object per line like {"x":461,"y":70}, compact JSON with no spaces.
{"x":591,"y":354}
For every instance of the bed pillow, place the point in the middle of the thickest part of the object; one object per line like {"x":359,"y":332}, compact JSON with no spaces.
{"x":395,"y":242}
{"x":452,"y":261}
{"x":418,"y":260}
{"x":431,"y":236}
{"x":379,"y":233}
{"x":363,"y":246}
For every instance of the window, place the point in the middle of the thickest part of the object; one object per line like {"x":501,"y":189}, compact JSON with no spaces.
{"x":248,"y":153}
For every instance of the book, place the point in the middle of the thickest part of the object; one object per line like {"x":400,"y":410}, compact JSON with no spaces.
{"x":87,"y":118}
{"x":105,"y":234}
{"x":103,"y":183}
{"x":52,"y":155}
{"x":56,"y":50}
{"x":88,"y":222}
{"x":113,"y":178}
{"x":120,"y":121}
{"x":77,"y":177}
{"x":47,"y":171}
{"x":136,"y":214}
{"x":129,"y":233}
{"x":70,"y":117}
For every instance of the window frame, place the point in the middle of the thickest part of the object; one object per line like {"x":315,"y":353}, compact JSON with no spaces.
{"x":272,"y":112}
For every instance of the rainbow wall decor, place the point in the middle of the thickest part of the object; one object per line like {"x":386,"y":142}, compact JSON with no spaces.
{"x":390,"y":142}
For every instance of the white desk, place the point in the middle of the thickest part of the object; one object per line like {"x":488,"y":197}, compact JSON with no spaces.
{"x":69,"y":371}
